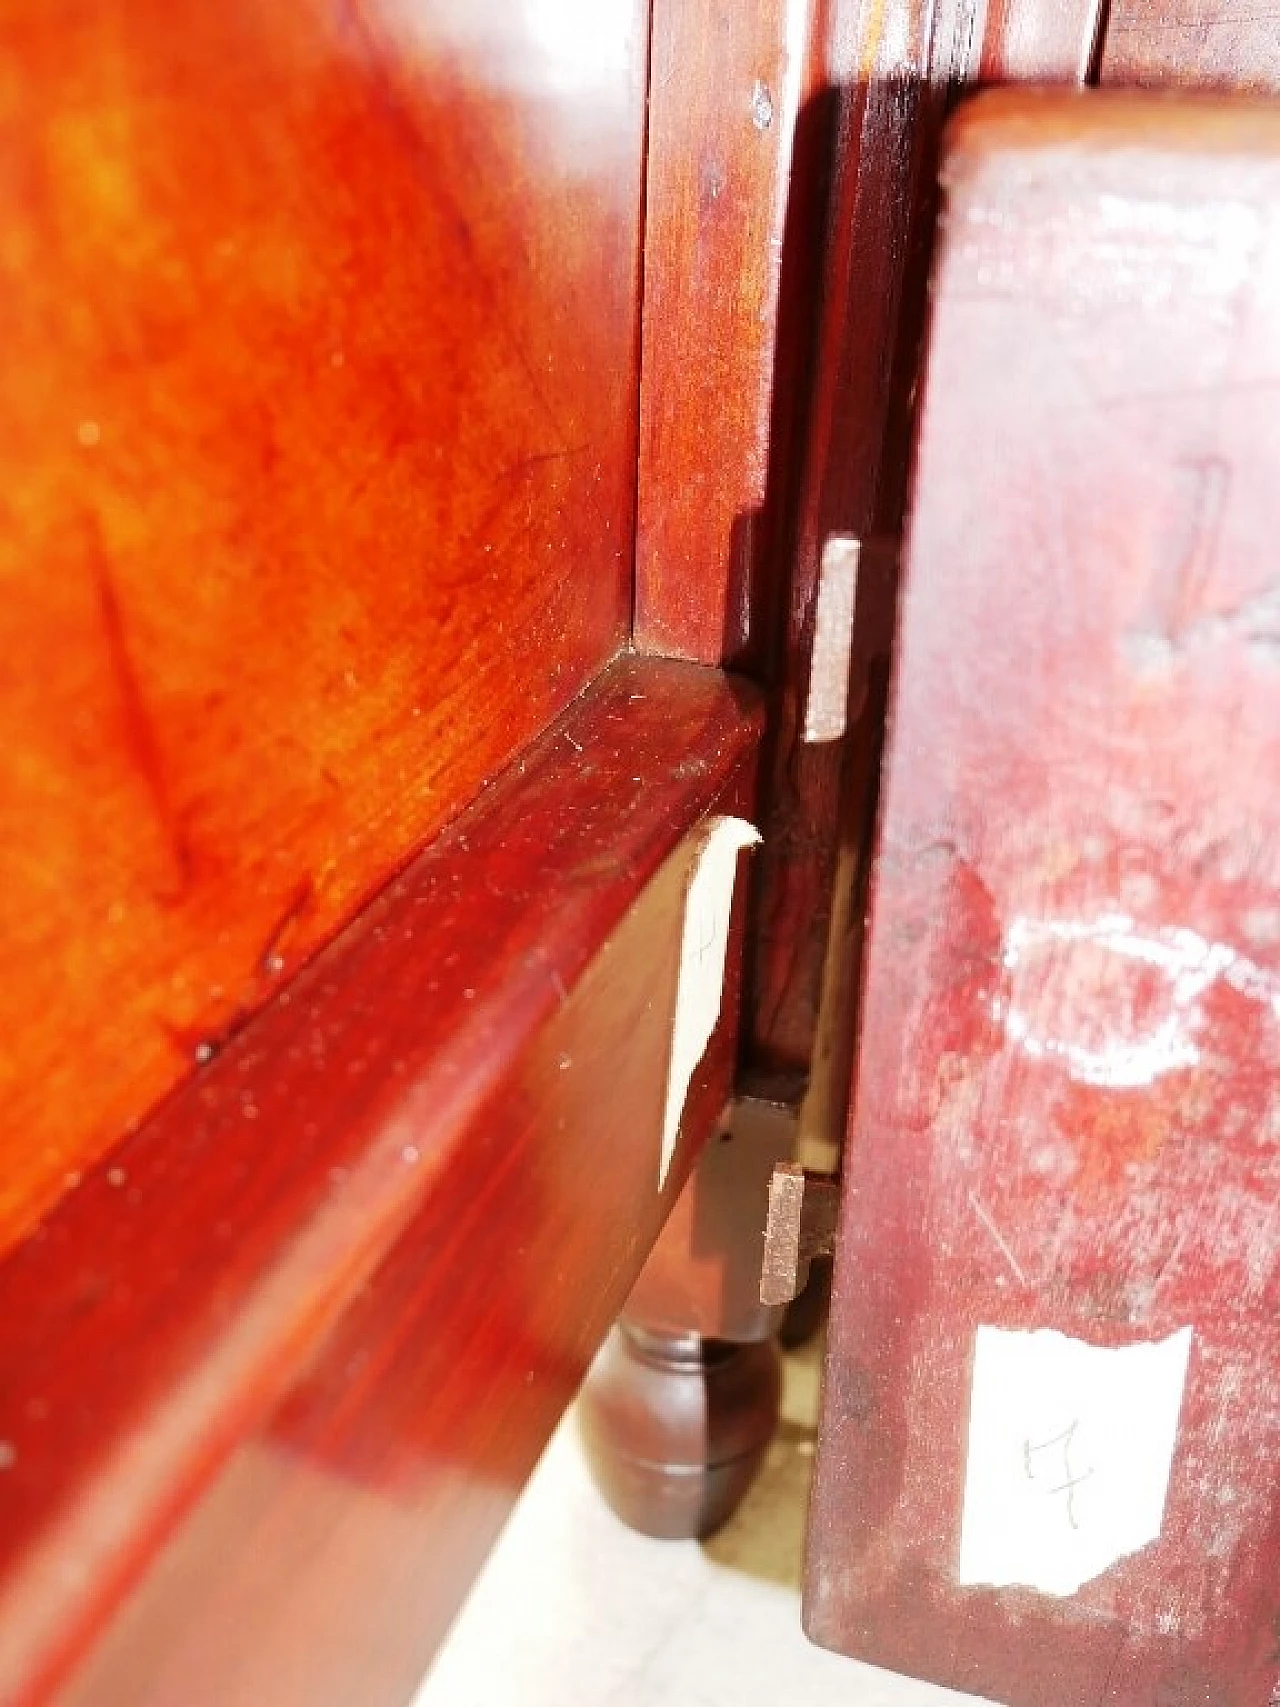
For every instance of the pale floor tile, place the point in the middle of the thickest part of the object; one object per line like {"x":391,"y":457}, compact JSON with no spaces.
{"x":574,"y":1610}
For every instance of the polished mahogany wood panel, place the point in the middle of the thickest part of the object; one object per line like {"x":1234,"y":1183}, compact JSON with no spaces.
{"x":350,"y":1275}
{"x":1069,"y":1064}
{"x":318,"y":415}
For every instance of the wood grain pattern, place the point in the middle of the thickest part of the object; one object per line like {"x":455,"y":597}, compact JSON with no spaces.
{"x":892,"y":72}
{"x":322,"y":1311}
{"x":703,"y":1274}
{"x":788,"y":214}
{"x":1192,"y":44}
{"x":1069,"y":1066}
{"x":750,"y":118}
{"x":319,"y":438}
{"x":728,"y":172}
{"x":1041,"y":41}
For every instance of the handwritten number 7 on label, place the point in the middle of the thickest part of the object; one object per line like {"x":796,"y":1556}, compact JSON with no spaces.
{"x":1070,"y":1480}
{"x":707,"y":938}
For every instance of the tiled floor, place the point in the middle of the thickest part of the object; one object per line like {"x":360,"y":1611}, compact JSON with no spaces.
{"x":574,"y":1610}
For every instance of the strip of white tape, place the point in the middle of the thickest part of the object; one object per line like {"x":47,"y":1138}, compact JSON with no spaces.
{"x":704,"y":944}
{"x":1070,"y":1449}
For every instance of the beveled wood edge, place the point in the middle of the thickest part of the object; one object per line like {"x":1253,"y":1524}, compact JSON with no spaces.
{"x":1101,"y":120}
{"x":157,"y":1315}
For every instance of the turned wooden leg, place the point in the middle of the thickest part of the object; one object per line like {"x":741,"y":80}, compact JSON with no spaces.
{"x":681,"y":1404}
{"x":675,"y":1426}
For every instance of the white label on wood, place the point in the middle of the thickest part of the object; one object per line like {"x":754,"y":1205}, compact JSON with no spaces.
{"x":703,"y":945}
{"x":827,"y":708}
{"x":1070,"y":1449}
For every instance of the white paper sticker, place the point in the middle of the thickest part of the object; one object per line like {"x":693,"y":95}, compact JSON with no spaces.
{"x":1070,"y":1449}
{"x":703,"y":945}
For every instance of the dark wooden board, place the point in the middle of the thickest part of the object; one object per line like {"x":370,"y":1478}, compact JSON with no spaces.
{"x":877,"y":84}
{"x":734,"y":198}
{"x":1069,"y":1064}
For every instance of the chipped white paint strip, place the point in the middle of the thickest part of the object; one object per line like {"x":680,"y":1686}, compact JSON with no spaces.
{"x":1070,"y":1449}
{"x":704,"y":943}
{"x":826,"y":711}
{"x":1059,"y":1005}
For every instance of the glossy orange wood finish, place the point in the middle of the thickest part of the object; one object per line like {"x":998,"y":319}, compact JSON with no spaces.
{"x":322,"y":1311}
{"x":1069,"y":1064}
{"x":319,"y":442}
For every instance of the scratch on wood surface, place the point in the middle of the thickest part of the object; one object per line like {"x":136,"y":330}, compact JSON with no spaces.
{"x":1002,"y":1243}
{"x":271,"y":959}
{"x":138,"y":721}
{"x":1206,"y":484}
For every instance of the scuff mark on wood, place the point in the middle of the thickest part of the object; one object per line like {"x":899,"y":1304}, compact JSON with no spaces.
{"x":139,"y":724}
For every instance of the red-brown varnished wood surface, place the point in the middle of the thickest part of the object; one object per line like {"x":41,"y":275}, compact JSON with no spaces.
{"x":334,"y":1295}
{"x":792,"y":146}
{"x":1192,"y":44}
{"x":1069,"y":1067}
{"x":730,"y":174}
{"x":752,"y":111}
{"x":318,"y":423}
{"x":789,"y":212}
{"x":897,"y":69}
{"x":740,"y":149}
{"x":891,"y":71}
